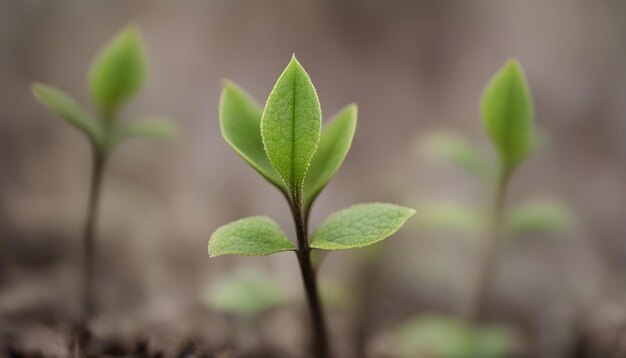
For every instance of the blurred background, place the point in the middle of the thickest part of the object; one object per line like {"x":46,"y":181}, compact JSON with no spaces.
{"x":414,"y":67}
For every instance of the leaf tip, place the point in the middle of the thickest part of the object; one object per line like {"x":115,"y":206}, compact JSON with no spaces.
{"x":36,"y":88}
{"x":353,"y":107}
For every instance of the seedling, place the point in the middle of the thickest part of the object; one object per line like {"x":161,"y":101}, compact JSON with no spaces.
{"x":507,"y":112}
{"x":115,"y":77}
{"x":286,"y":144}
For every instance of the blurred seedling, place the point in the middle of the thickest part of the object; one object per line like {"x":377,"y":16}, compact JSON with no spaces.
{"x":286,"y":144}
{"x":508,"y":119}
{"x":438,"y":336}
{"x":115,"y":77}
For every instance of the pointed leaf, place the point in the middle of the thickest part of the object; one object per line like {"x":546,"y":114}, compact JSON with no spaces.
{"x":333,"y":147}
{"x":359,"y":226}
{"x":154,"y":127}
{"x":291,"y":125}
{"x":118,"y":72}
{"x":457,"y":151}
{"x":66,"y":107}
{"x":507,"y":112}
{"x":539,"y":216}
{"x":253,"y":236}
{"x":451,"y":217}
{"x":240,"y":123}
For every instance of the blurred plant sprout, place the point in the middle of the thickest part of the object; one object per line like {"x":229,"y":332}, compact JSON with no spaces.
{"x":507,"y":116}
{"x":286,"y":144}
{"x":116,"y":75}
{"x":448,"y":337}
{"x":247,"y":293}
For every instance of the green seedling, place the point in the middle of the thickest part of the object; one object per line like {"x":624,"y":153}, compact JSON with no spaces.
{"x":115,"y":77}
{"x":507,"y":116}
{"x":449,"y":337}
{"x":286,"y":144}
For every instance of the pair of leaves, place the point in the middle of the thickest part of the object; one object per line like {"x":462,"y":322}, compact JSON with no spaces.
{"x":275,"y":142}
{"x":115,"y":77}
{"x":533,"y":217}
{"x":507,"y":111}
{"x":358,"y":226}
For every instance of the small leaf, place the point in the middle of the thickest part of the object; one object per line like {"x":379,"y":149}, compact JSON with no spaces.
{"x":253,"y":236}
{"x":448,"y":337}
{"x":240,"y":123}
{"x":359,"y":226}
{"x":539,"y":216}
{"x":457,"y":151}
{"x":291,"y":125}
{"x":507,"y":112}
{"x":247,"y":292}
{"x":118,"y":72}
{"x":66,"y":107}
{"x":154,"y":127}
{"x":452,"y":217}
{"x":333,"y":147}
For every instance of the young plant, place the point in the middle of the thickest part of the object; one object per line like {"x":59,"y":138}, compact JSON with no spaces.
{"x":286,"y":144}
{"x":116,"y":75}
{"x":507,"y":113}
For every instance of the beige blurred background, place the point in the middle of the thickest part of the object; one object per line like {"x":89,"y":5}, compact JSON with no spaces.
{"x":413,"y":66}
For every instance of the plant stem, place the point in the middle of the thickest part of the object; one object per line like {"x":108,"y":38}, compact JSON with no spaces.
{"x":95,"y":187}
{"x":490,"y":251}
{"x":320,"y":342}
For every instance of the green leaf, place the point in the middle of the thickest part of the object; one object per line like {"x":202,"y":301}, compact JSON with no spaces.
{"x":449,"y":337}
{"x":118,"y":72}
{"x":153,"y":127}
{"x":66,"y":107}
{"x":457,"y":151}
{"x":539,"y":216}
{"x":359,"y":226}
{"x":291,"y":125}
{"x":240,"y":123}
{"x":247,"y":292}
{"x":451,"y":217}
{"x":253,"y":236}
{"x":333,"y":147}
{"x":507,"y":111}
{"x":432,"y":335}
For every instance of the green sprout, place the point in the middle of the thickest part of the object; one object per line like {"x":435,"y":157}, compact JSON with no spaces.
{"x":115,"y":77}
{"x":286,"y":144}
{"x":507,"y":116}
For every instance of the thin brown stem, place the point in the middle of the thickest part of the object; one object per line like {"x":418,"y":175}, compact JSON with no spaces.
{"x":321,"y":348}
{"x":491,"y":249}
{"x":95,"y":187}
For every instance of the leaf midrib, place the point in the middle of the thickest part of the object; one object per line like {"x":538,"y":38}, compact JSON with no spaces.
{"x":293,"y":138}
